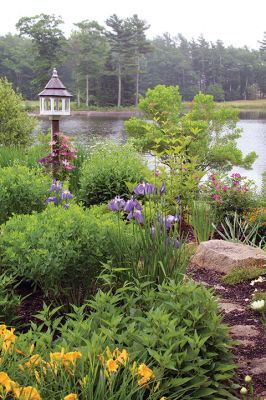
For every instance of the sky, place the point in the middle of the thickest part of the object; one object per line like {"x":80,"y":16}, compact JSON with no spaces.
{"x":235,"y":22}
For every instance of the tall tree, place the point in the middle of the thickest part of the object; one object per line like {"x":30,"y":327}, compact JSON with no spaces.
{"x":89,"y":52}
{"x":48,"y":41}
{"x":141,"y":46}
{"x":121,"y":43}
{"x":263,"y":42}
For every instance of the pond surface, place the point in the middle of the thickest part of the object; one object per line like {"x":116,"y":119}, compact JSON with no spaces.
{"x":94,"y":129}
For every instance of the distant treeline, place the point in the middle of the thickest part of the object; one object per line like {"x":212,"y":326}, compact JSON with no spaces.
{"x":115,"y":63}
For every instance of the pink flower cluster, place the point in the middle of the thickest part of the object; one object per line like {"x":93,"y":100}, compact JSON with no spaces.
{"x":61,"y":154}
{"x":219,"y":186}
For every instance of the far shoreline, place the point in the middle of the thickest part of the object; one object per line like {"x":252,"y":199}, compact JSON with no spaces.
{"x":110,"y":114}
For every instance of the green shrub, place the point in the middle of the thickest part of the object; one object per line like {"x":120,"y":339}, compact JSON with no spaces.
{"x":176,"y":328}
{"x":22,"y":190}
{"x":107,"y":171}
{"x":15,"y":124}
{"x":62,"y":250}
{"x":59,"y":250}
{"x":239,"y":275}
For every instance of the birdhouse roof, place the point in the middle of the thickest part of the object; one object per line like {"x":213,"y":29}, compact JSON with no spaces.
{"x":55,"y":88}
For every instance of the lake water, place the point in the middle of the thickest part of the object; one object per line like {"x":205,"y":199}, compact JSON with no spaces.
{"x":94,"y":129}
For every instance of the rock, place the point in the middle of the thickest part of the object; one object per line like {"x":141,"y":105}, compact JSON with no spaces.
{"x":246,"y":331}
{"x":219,"y":287}
{"x":247,"y":343}
{"x":258,"y":366}
{"x":230,"y":307}
{"x":223,"y":256}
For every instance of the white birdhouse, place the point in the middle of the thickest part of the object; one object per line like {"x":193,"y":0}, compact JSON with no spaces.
{"x":55,"y":99}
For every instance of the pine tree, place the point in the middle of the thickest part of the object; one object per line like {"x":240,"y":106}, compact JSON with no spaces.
{"x":141,"y":46}
{"x":263,"y":43}
{"x":121,"y":43}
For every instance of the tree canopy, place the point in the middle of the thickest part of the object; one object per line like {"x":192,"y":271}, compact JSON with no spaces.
{"x":114,"y":64}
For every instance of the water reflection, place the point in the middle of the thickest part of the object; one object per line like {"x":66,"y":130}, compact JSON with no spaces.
{"x":252,"y":115}
{"x":91,"y":130}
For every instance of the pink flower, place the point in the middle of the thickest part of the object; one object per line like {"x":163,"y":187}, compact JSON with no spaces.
{"x":225,"y":188}
{"x":69,"y":167}
{"x":216,"y":197}
{"x":217,"y":187}
{"x":236,"y":175}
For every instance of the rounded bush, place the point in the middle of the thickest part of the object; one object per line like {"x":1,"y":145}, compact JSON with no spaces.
{"x":107,"y":171}
{"x":57,"y":249}
{"x":22,"y":190}
{"x":16,"y":125}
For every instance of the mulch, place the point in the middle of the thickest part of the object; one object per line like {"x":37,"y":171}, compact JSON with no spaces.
{"x":238,"y":294}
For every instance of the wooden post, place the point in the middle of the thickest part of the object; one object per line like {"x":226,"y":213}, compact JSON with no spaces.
{"x":55,"y":146}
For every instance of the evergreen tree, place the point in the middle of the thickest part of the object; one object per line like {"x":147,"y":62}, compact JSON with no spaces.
{"x":141,"y":46}
{"x":263,"y":43}
{"x":89,"y":51}
{"x":121,"y":41}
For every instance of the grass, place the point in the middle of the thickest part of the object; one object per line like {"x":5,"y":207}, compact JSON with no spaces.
{"x":241,"y":105}
{"x":12,"y":155}
{"x":240,"y":275}
{"x":259,"y":296}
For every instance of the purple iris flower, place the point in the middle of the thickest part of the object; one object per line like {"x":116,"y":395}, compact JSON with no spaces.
{"x":140,"y":189}
{"x":137,"y":215}
{"x":116,"y":204}
{"x":66,"y":206}
{"x":149,"y":188}
{"x":173,"y":242}
{"x":163,"y":189}
{"x":144,"y":189}
{"x":131,"y":204}
{"x":177,"y":244}
{"x":178,"y":200}
{"x":56,"y":186}
{"x":66,"y":195}
{"x":51,"y":200}
{"x":152,"y":231}
{"x":169,"y":220}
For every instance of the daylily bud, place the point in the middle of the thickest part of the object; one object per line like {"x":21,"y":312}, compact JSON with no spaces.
{"x":243,"y":390}
{"x":248,"y":378}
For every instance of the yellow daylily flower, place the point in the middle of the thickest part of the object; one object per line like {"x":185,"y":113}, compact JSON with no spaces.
{"x":122,"y":357}
{"x":111,"y":366}
{"x":37,"y":376}
{"x":71,"y":396}
{"x":145,"y":373}
{"x":7,"y":383}
{"x":27,"y":393}
{"x":34,"y":360}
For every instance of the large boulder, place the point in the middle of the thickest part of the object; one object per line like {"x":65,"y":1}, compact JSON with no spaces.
{"x":222,"y":256}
